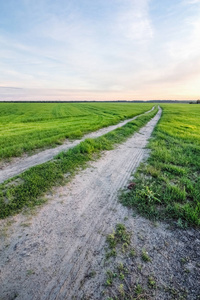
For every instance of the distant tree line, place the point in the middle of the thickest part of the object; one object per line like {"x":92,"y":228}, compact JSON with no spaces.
{"x":195,"y":102}
{"x":103,"y":101}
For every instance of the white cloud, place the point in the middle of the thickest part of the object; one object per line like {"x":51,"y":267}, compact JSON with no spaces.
{"x":132,"y":21}
{"x":67,"y":52}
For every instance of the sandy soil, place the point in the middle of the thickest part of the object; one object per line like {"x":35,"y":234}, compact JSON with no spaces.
{"x":51,"y":254}
{"x":20,"y":164}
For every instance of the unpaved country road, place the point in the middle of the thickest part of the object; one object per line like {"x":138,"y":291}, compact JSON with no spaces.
{"x":48,"y":255}
{"x":20,"y":164}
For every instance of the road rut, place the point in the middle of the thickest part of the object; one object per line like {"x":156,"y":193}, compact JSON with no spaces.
{"x":19,"y":165}
{"x":48,"y":254}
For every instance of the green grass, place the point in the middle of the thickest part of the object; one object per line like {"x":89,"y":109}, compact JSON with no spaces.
{"x":27,"y":188}
{"x":28,"y":126}
{"x":119,"y":237}
{"x":145,"y":257}
{"x":168,"y":186}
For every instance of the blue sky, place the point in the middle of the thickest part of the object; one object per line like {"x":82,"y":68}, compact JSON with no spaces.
{"x":99,"y":50}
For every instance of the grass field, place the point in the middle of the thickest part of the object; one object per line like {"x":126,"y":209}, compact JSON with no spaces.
{"x":28,"y":126}
{"x":168,"y":185}
{"x":27,"y":188}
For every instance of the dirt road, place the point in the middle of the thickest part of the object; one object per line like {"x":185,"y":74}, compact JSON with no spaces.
{"x":20,"y":164}
{"x":51,"y":254}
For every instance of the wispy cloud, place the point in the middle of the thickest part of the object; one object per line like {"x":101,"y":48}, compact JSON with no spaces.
{"x":98,"y":49}
{"x":133,"y":21}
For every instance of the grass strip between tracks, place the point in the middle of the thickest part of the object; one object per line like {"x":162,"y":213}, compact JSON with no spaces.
{"x":168,"y":185}
{"x":27,"y":189}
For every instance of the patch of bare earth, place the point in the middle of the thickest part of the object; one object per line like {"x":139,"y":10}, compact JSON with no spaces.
{"x":59,"y":253}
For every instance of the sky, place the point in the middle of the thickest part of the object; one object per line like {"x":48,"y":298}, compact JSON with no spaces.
{"x":99,"y":49}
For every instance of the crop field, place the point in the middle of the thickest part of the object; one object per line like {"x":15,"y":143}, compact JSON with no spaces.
{"x":28,"y":126}
{"x":168,"y":185}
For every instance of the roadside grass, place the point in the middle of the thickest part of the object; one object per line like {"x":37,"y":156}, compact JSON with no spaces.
{"x":25,"y":127}
{"x":27,"y":189}
{"x":168,"y":186}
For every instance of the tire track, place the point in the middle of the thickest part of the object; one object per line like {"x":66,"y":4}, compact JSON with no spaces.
{"x":80,"y":265}
{"x":21,"y":164}
{"x":77,"y":218}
